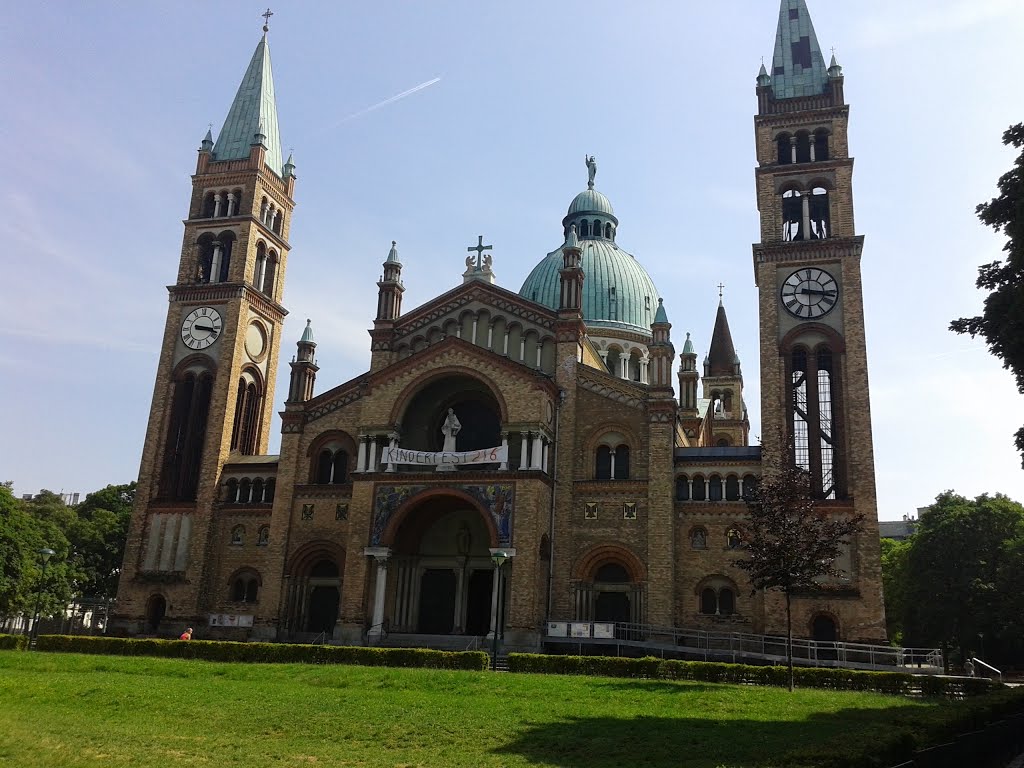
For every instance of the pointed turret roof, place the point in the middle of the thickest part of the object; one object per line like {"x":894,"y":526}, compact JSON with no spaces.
{"x":393,"y":253}
{"x":661,"y":316}
{"x":253,"y":111}
{"x":688,"y":347}
{"x":307,"y":334}
{"x":721,"y":360}
{"x":798,"y":68}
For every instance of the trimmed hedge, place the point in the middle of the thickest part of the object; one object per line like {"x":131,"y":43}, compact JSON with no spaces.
{"x":900,"y":683}
{"x":13,"y":642}
{"x":266,"y":653}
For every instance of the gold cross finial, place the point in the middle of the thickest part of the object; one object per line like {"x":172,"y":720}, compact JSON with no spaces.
{"x":266,"y":19}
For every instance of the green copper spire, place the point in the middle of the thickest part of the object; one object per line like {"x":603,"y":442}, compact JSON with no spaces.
{"x":798,"y":68}
{"x":661,"y":316}
{"x":393,"y":253}
{"x":688,"y":347}
{"x":254,"y":111}
{"x":307,"y":334}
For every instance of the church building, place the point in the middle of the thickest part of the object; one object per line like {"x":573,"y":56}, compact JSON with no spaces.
{"x":522,"y":462}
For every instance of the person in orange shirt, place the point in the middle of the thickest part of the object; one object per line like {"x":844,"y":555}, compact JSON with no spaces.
{"x":186,"y":635}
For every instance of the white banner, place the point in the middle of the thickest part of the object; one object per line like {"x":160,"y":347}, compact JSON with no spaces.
{"x":431,"y":459}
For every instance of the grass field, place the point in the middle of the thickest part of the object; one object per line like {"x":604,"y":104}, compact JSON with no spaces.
{"x":72,"y":710}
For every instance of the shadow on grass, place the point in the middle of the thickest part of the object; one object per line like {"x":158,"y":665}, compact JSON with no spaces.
{"x":658,"y":686}
{"x":692,"y":742}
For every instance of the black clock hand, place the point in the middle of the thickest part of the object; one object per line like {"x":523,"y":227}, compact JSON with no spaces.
{"x":205,"y":328}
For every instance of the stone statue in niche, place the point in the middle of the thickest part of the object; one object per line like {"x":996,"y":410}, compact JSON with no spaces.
{"x":449,"y":429}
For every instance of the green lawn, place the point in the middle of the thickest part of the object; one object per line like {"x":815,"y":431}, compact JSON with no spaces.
{"x":72,"y":710}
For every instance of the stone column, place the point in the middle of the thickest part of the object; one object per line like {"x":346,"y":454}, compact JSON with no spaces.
{"x":538,"y":447}
{"x":231,"y":205}
{"x":792,"y":148}
{"x":215,"y":265}
{"x":460,"y":597}
{"x":524,"y":456}
{"x":393,"y":445}
{"x":806,"y":231}
{"x":494,"y":590}
{"x":361,"y":458}
{"x":263,"y":211}
{"x":372,"y":466}
{"x":490,"y":335}
{"x":504,"y":346}
{"x":544,"y":457}
{"x":381,"y":555}
{"x":504,"y":444}
{"x":623,"y":365}
{"x":217,"y":199}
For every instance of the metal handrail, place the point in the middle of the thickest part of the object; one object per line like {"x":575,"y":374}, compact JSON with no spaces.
{"x":320,"y":639}
{"x":735,"y":644}
{"x":987,"y":666}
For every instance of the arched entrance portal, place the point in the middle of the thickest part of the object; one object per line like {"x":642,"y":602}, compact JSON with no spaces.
{"x":441,"y":578}
{"x":314,"y":590}
{"x":156,"y":608}
{"x":609,"y":586}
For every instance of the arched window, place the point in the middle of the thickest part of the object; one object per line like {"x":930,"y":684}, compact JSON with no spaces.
{"x":245,"y":588}
{"x":608,"y":230}
{"x":204,"y":258}
{"x":785,"y":149}
{"x":183,"y":449}
{"x":270,"y":275}
{"x":708,"y":602}
{"x":820,"y":214}
{"x":248,"y":414}
{"x":612,"y":573}
{"x":732,"y":488}
{"x":813,"y":418}
{"x":821,"y":146}
{"x":260,"y":270}
{"x":236,"y":208}
{"x":682,"y":488}
{"x":584,"y":228}
{"x":699,"y":492}
{"x":603,"y":468}
{"x":332,"y":466}
{"x":823,"y":629}
{"x":803,"y":147}
{"x":257,"y":491}
{"x":718,"y":597}
{"x":206,"y":212}
{"x":726,"y":601}
{"x":245,"y":491}
{"x":238,"y":535}
{"x":699,"y":538}
{"x":715,"y":488}
{"x":278,"y":219}
{"x":268,"y":493}
{"x":622,"y":462}
{"x":231,"y":491}
{"x":263,"y":536}
{"x":793,"y":216}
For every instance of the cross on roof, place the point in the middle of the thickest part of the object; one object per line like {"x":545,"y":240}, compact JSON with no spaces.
{"x":479,"y":248}
{"x":266,"y":16}
{"x":721,"y":287}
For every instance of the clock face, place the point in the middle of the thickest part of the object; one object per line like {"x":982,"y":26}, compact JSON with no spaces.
{"x":201,"y":328}
{"x":809,"y":293}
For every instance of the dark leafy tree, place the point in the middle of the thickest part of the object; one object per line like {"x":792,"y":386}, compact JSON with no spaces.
{"x":1001,"y":323}
{"x":791,"y":545}
{"x":960,"y":571}
{"x":895,"y":556}
{"x":97,"y":536}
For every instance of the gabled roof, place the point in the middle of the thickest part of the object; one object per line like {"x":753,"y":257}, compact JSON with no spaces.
{"x":798,"y":68}
{"x":253,"y":111}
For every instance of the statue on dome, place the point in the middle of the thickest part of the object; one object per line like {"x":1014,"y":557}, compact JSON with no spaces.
{"x":591,"y":170}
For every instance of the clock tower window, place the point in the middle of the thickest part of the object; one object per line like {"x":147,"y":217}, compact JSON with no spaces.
{"x":813,"y":419}
{"x":248,"y":408}
{"x":190,"y":406}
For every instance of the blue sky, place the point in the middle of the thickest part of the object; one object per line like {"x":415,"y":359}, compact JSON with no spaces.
{"x":107,"y":103}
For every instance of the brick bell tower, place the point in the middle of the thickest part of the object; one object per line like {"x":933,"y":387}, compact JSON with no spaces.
{"x":814,"y":380}
{"x":214,"y":392}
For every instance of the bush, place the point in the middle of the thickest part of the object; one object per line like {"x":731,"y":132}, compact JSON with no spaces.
{"x":13,"y":642}
{"x":897,"y":683}
{"x":266,"y":653}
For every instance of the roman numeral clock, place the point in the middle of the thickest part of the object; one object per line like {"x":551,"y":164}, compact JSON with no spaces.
{"x":810,"y":293}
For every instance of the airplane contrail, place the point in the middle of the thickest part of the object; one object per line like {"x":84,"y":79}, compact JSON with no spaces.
{"x":384,"y":103}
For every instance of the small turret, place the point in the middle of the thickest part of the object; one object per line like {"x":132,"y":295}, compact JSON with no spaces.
{"x":390,"y":288}
{"x":688,"y":378}
{"x":661,"y":350}
{"x":304,"y":367}
{"x":289,"y":167}
{"x":207,"y":145}
{"x":571,"y":275}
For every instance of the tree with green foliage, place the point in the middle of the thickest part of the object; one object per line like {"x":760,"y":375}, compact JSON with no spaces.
{"x":1002,"y":321}
{"x":895,"y":555}
{"x":98,"y":536}
{"x":790,"y":544}
{"x":960,"y":575}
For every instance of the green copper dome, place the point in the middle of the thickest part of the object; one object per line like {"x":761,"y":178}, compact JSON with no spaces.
{"x":591,"y":201}
{"x":617,"y":291}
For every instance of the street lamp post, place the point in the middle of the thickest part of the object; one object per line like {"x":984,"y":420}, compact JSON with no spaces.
{"x":499,"y":559}
{"x":45,"y":554}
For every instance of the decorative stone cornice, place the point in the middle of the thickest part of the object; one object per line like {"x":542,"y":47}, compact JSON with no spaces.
{"x":497,"y":298}
{"x":806,"y":113}
{"x":830,"y":249}
{"x":608,"y":386}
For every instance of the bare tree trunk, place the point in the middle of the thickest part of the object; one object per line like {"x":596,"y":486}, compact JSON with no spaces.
{"x":789,"y":639}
